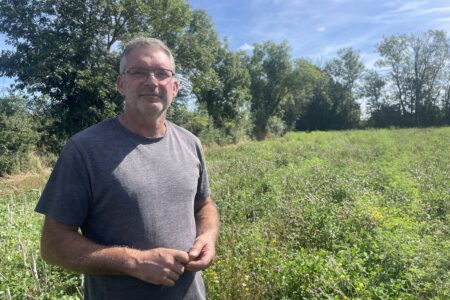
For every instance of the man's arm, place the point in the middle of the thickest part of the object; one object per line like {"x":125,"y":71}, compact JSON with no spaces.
{"x":62,"y":245}
{"x":202,"y":253}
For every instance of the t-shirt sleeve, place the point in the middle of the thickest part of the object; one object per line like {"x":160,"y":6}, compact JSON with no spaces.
{"x":203,"y":190}
{"x":67,"y":195}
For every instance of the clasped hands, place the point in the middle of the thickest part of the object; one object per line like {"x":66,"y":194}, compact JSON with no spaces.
{"x":164,"y":266}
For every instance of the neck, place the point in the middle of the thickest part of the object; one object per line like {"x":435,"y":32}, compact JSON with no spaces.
{"x":144,"y":128}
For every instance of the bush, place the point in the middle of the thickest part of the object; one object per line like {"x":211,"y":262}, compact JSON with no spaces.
{"x":202,"y":125}
{"x":18,"y":136}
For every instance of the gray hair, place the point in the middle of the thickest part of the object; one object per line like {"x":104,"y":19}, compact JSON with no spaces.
{"x":145,"y":42}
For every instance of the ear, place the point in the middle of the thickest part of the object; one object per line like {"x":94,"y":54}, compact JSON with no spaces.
{"x":120,"y":84}
{"x":176,"y":86}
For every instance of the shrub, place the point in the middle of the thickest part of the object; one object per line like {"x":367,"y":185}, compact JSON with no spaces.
{"x":18,"y":136}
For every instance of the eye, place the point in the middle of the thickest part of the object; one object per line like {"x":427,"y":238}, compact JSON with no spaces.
{"x":162,"y":74}
{"x":138,"y":73}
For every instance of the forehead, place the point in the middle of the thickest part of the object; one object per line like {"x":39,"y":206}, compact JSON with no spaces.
{"x":148,"y":57}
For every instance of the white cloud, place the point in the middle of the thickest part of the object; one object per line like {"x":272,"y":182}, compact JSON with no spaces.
{"x":412,"y":6}
{"x":443,"y":20}
{"x":321,"y":29}
{"x":246,"y":47}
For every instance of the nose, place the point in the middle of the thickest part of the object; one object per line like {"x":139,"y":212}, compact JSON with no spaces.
{"x":151,"y":79}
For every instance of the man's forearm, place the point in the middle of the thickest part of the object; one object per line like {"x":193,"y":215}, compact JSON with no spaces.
{"x":62,"y":245}
{"x":207,"y":220}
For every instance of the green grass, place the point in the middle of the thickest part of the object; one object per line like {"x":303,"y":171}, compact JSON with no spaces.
{"x":321,"y":215}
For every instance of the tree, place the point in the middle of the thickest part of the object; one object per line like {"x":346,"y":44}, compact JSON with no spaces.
{"x":197,"y":51}
{"x":309,"y":106}
{"x":229,"y":98}
{"x":270,"y":72}
{"x":382,"y":112}
{"x":417,"y":63}
{"x":219,"y":79}
{"x":345,"y":71}
{"x":446,"y":96}
{"x":372,"y":90}
{"x":67,"y":50}
{"x":318,"y":112}
{"x":345,"y":111}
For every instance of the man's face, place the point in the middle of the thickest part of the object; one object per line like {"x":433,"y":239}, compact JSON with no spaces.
{"x":147,"y":97}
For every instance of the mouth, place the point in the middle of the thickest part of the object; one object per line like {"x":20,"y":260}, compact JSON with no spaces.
{"x":150,"y":96}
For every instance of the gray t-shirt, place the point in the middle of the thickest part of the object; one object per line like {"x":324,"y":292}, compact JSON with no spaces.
{"x":122,"y":189}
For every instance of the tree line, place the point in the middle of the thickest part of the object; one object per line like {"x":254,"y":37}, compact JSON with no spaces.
{"x":66,"y":56}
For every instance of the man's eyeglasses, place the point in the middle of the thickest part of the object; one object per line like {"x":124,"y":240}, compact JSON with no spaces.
{"x":143,"y":74}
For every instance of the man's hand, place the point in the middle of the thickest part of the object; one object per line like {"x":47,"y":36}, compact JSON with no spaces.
{"x":202,"y":254}
{"x":159,"y":266}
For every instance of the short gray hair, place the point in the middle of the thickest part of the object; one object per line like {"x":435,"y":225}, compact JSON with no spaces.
{"x":145,"y":42}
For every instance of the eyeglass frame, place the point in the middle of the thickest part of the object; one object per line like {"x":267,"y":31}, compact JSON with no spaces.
{"x":150,"y":72}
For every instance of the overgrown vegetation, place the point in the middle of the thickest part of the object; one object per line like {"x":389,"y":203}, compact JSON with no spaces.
{"x":18,"y":137}
{"x":321,"y":215}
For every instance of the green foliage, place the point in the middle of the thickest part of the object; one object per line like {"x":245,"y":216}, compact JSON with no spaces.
{"x":373,"y":90}
{"x":270,"y":70}
{"x":18,"y":136}
{"x":229,"y":99}
{"x":68,"y":52}
{"x":323,"y":215}
{"x":202,"y":125}
{"x":345,"y":71}
{"x":196,"y":51}
{"x":307,"y":81}
{"x":418,"y":76}
{"x":62,"y":51}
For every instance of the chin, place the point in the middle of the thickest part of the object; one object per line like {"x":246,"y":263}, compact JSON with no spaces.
{"x":152,"y":112}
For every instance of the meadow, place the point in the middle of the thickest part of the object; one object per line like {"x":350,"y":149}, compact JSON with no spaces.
{"x":320,"y":215}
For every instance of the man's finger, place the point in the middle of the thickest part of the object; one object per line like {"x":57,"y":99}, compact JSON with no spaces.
{"x":173,"y":276}
{"x":196,"y":249}
{"x":181,"y":257}
{"x":201,"y":263}
{"x":198,"y":265}
{"x":168,"y":282}
{"x":178,"y":268}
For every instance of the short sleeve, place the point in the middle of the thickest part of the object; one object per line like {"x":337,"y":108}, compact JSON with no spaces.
{"x":67,"y":194}
{"x":203,"y":190}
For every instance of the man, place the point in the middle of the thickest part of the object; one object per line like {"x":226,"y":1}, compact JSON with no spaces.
{"x":136,"y":187}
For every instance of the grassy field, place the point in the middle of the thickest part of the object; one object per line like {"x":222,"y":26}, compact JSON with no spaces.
{"x":322,"y":215}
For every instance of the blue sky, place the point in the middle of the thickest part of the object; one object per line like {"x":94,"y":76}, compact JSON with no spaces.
{"x":317,"y":29}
